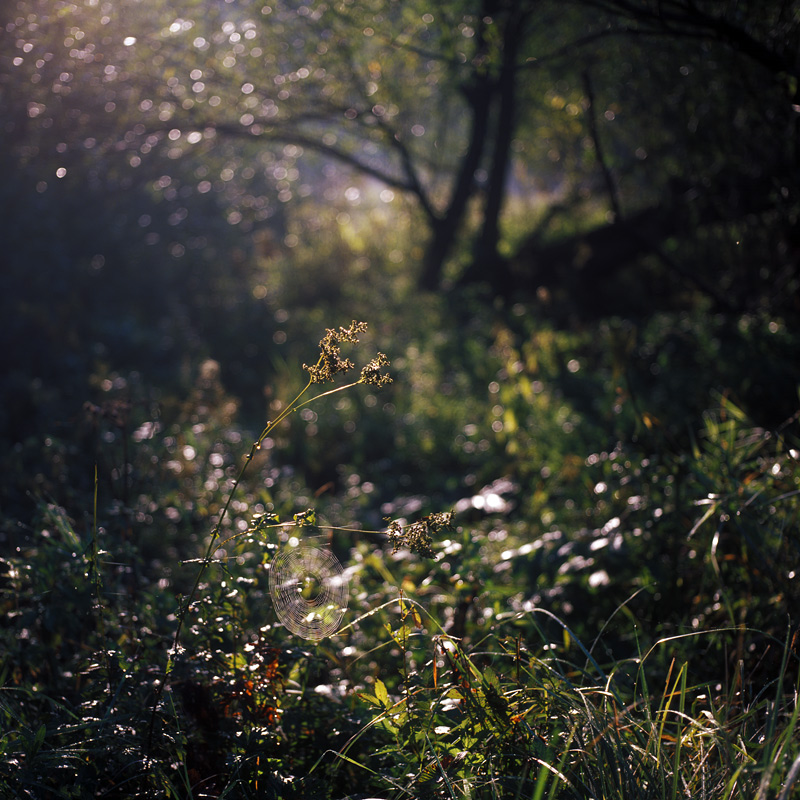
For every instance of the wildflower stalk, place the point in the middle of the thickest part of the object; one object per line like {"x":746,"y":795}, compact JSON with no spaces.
{"x":327,"y":366}
{"x":216,"y":532}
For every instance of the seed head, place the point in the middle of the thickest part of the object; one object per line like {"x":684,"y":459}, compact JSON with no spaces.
{"x":417,"y":536}
{"x":330,"y":361}
{"x":371,"y":373}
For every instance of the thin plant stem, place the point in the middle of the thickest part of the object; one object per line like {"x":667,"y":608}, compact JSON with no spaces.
{"x":187,"y":603}
{"x":215,"y":534}
{"x":328,"y":364}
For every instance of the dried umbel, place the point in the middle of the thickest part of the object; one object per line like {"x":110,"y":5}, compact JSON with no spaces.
{"x":417,"y":536}
{"x":372,"y":374}
{"x":330,"y":362}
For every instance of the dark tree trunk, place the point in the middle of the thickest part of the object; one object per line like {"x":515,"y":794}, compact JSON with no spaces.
{"x":608,"y":178}
{"x":504,"y":125}
{"x":446,"y":227}
{"x":479,"y":92}
{"x":493,"y":102}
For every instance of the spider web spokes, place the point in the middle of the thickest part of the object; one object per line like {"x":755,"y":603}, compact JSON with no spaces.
{"x":313,"y":614}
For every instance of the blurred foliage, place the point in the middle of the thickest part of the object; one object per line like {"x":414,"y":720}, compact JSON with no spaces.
{"x":609,"y":409}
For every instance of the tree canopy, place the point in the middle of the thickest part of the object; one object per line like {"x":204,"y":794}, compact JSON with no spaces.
{"x":613,"y":105}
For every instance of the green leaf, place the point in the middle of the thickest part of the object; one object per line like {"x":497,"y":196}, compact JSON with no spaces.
{"x":261,"y":522}
{"x":306,"y":519}
{"x":490,"y":677}
{"x":370,"y":699}
{"x":381,"y":693}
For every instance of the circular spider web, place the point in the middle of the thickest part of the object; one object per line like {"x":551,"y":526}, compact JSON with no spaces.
{"x":309,"y":590}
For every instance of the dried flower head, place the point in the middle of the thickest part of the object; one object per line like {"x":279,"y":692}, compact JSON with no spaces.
{"x":371,"y":373}
{"x":330,"y":360}
{"x":417,"y":536}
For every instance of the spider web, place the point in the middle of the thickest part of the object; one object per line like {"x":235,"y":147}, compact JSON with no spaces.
{"x":292,"y":572}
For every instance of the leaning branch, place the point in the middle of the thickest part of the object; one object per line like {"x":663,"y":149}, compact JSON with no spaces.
{"x":291,"y":136}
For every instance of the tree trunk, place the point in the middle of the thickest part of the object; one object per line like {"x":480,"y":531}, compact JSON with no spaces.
{"x":446,"y":227}
{"x":486,"y":256}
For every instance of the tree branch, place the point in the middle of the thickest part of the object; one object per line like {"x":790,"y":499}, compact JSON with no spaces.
{"x":277,"y":134}
{"x":683,"y":18}
{"x":611,"y":186}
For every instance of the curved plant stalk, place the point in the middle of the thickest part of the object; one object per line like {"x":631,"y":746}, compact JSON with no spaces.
{"x":329,"y":364}
{"x":187,"y":602}
{"x":206,"y":560}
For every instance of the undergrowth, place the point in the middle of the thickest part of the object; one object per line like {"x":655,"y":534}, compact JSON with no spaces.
{"x":598,"y":623}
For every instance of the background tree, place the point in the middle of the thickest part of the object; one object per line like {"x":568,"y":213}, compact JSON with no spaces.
{"x":423,"y":102}
{"x":718,"y":158}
